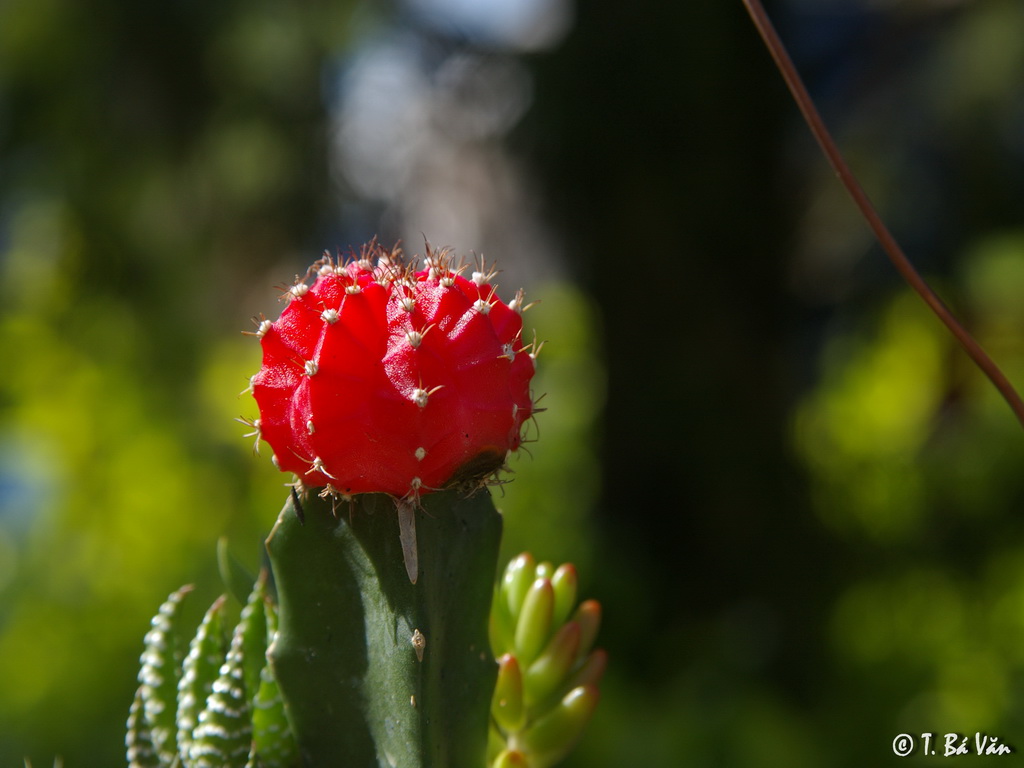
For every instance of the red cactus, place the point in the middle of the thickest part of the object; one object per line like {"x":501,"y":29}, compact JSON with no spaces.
{"x":379,"y":377}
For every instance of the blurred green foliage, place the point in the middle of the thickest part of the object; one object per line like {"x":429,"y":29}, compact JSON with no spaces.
{"x":798,"y":502}
{"x":557,"y":479}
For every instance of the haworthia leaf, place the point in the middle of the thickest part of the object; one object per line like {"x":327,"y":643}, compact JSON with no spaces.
{"x":272,"y":737}
{"x":161,"y":670}
{"x":253,"y":626}
{"x":345,"y":656}
{"x":224,"y":733}
{"x":202,"y":665}
{"x":138,"y":740}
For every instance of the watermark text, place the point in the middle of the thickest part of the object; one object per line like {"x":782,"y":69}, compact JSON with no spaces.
{"x":949,"y":744}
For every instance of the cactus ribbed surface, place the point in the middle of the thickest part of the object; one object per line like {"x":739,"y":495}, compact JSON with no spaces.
{"x":373,"y":667}
{"x":383,"y":378}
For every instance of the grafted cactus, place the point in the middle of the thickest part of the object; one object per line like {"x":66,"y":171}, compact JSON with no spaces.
{"x":399,"y":392}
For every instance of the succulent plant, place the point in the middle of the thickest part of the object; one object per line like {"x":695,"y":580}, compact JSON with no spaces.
{"x":211,"y":702}
{"x":548,"y":670}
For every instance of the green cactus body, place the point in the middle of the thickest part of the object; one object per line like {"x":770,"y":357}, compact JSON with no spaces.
{"x":374,"y":669}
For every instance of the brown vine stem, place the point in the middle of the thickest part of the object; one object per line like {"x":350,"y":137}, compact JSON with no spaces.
{"x":878,"y":227}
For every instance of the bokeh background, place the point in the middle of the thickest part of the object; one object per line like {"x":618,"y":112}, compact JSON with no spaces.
{"x":798,"y":502}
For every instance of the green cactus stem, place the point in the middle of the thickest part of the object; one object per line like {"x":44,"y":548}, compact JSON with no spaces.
{"x":376,"y":670}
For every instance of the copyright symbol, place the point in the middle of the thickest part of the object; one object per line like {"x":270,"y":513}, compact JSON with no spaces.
{"x":903,"y":744}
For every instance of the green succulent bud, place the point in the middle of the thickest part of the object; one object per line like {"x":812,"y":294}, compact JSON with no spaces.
{"x":534,"y":624}
{"x":551,"y":737}
{"x":501,"y":629}
{"x":588,"y":616}
{"x":510,"y":758}
{"x":547,"y":671}
{"x":565,"y":583}
{"x":590,"y":671}
{"x":507,"y":704}
{"x":544,"y":570}
{"x":519,"y":575}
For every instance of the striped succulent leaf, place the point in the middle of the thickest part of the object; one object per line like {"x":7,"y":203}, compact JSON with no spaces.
{"x":253,"y":628}
{"x":222,"y":737}
{"x":162,"y":656}
{"x":139,"y":741}
{"x":202,"y":665}
{"x":271,"y":734}
{"x":227,"y":711}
